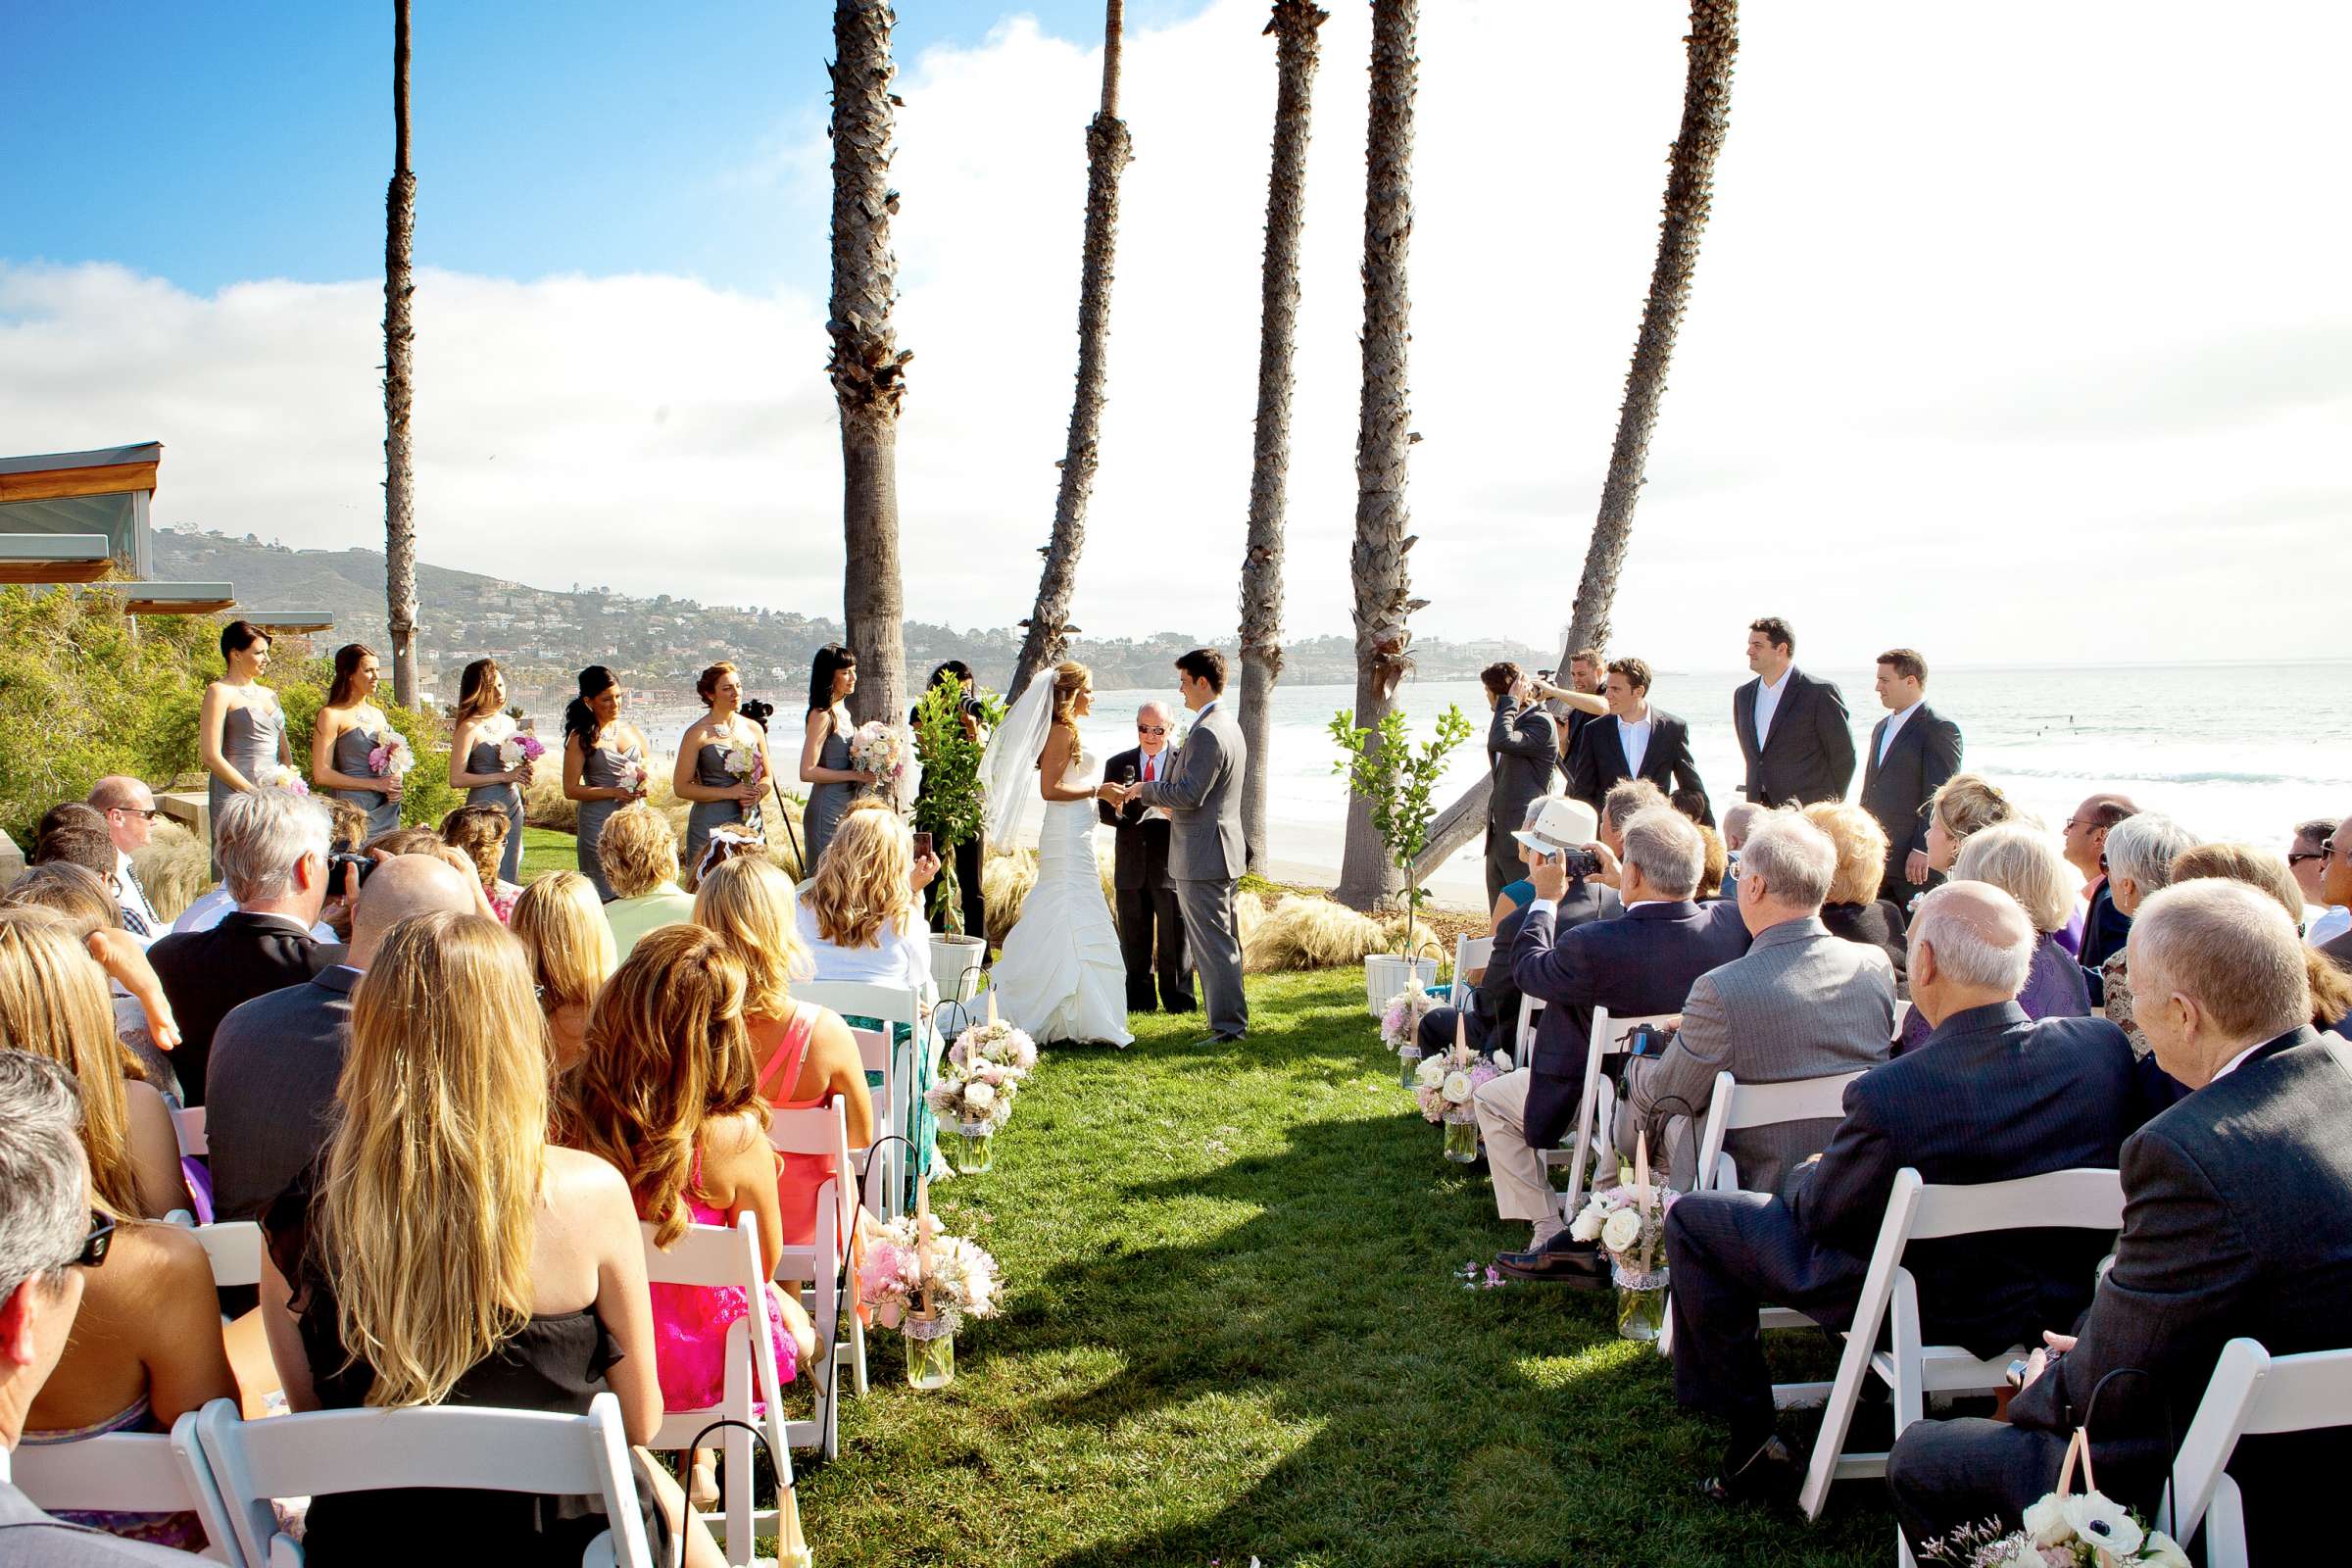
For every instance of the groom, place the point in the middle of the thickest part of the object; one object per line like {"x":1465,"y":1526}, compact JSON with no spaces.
{"x":1203,"y":801}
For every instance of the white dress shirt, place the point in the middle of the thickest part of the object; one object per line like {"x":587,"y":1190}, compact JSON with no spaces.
{"x":1768,"y":703}
{"x":2235,"y":1062}
{"x":1633,"y":738}
{"x":1895,"y":725}
{"x":133,"y":900}
{"x":2328,"y":926}
{"x":1155,"y":764}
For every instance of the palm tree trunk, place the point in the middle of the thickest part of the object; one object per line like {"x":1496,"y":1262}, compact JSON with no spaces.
{"x":867,"y":367}
{"x":1383,"y":585}
{"x":1108,"y":150}
{"x":1713,"y":42}
{"x":400,"y":392}
{"x":1297,"y":49}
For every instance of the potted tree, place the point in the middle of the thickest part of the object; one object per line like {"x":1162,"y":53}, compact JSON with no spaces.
{"x":952,"y":808}
{"x":1400,"y":786}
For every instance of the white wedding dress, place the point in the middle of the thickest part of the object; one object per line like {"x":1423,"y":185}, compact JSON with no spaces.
{"x":1061,"y":975}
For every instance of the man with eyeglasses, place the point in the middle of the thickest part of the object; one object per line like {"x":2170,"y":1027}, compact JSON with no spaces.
{"x":1160,"y":974}
{"x":2104,"y":926}
{"x":2308,"y":858}
{"x":49,"y":1233}
{"x":2335,"y":889}
{"x":129,"y":808}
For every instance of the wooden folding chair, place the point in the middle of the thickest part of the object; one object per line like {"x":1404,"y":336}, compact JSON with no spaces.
{"x":2251,"y":1394}
{"x":132,"y":1471}
{"x":329,"y":1451}
{"x":889,"y":1006}
{"x":2062,"y":1199}
{"x":817,"y":1265}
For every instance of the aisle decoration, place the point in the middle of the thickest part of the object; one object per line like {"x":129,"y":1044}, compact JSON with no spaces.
{"x":390,"y":755}
{"x":1629,"y":1221}
{"x":1401,"y":1028}
{"x":282,"y":778}
{"x":2063,"y":1530}
{"x":1445,"y":1086}
{"x":518,"y":749}
{"x":924,"y":1283}
{"x":995,"y":1041}
{"x":977,"y":1101}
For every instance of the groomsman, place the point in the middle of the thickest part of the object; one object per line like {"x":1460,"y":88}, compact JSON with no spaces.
{"x":1522,"y":747}
{"x":1634,"y":741}
{"x":1584,"y":677}
{"x":1791,"y":728}
{"x":1151,"y":923}
{"x":1913,"y":749}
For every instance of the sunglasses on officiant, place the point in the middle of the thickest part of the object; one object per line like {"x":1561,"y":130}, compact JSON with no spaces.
{"x":1151,"y":729}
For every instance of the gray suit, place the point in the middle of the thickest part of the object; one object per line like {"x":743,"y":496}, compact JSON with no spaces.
{"x":1798,"y":1004}
{"x":1205,"y":857}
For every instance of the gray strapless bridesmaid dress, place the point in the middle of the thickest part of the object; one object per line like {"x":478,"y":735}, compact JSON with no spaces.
{"x":351,"y":757}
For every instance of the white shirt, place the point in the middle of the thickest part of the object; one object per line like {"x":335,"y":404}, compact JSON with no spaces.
{"x":2326,"y":927}
{"x":1155,"y":769}
{"x":133,"y":899}
{"x":895,"y":960}
{"x":217,"y":905}
{"x":1768,"y":703}
{"x":2235,"y":1062}
{"x":1633,"y":738}
{"x":1894,"y":724}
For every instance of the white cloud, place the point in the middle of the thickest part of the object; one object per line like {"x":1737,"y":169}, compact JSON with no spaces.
{"x":1997,"y":329}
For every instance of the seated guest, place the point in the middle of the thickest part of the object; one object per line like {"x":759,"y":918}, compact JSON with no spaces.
{"x":1719,"y":862}
{"x":51,"y":1249}
{"x":1798,"y":1004}
{"x":443,"y":1251}
{"x":561,"y":923}
{"x":1991,"y":1096}
{"x":2237,"y":1221}
{"x":72,"y":834}
{"x":664,"y":1094}
{"x":1627,"y":800}
{"x":1854,"y":909}
{"x":859,"y":919}
{"x":269,"y":1090}
{"x":143,"y":1020}
{"x":1737,"y":818}
{"x":2022,"y":861}
{"x":1640,"y":963}
{"x":2141,"y":852}
{"x":272,"y":847}
{"x":2307,"y":858}
{"x":640,"y":857}
{"x":1636,"y":741}
{"x":2330,"y":987}
{"x":129,"y":808}
{"x":1966,"y":804}
{"x":479,"y":833}
{"x":2335,"y":888}
{"x":53,"y":1003}
{"x":2101,"y":928}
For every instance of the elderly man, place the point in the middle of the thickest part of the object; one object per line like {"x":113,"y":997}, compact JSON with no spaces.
{"x":1798,"y":1004}
{"x":1151,"y":922}
{"x":129,"y":808}
{"x":50,"y":1235}
{"x":272,"y":847}
{"x":270,"y":1089}
{"x":2085,"y":834}
{"x":2308,"y":859}
{"x":1989,"y":1095}
{"x":2237,"y":1221}
{"x":1639,"y":963}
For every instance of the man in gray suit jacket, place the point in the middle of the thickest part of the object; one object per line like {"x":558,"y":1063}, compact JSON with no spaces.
{"x":1205,"y":853}
{"x":1798,"y":1004}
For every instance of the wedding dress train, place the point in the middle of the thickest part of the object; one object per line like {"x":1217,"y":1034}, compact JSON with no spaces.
{"x":1061,"y":975}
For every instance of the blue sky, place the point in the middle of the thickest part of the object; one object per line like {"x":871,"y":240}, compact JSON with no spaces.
{"x":213,"y":144}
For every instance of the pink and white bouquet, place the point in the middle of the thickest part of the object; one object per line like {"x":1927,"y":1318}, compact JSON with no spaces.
{"x":1629,"y":1219}
{"x":631,"y":773}
{"x":2086,"y":1531}
{"x":390,"y":755}
{"x":911,"y":1256}
{"x":1400,"y":1019}
{"x":1447,"y":1081}
{"x":518,"y":749}
{"x":741,"y":759}
{"x":882,"y":750}
{"x":998,"y":1042}
{"x":980,"y":1097}
{"x":282,"y":778}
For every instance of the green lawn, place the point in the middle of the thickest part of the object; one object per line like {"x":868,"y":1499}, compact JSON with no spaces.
{"x":545,"y":849}
{"x":1235,"y":1328}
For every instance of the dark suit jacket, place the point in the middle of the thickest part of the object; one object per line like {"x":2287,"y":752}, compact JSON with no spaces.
{"x":1989,"y":1096}
{"x":1926,"y":752}
{"x":1522,"y":750}
{"x":269,"y":1092}
{"x":1138,"y":848}
{"x":205,"y":973}
{"x":1809,"y":754}
{"x":1637,"y":964}
{"x":1877,"y":924}
{"x":1598,"y":765}
{"x":2238,"y":1220}
{"x":2104,"y":928}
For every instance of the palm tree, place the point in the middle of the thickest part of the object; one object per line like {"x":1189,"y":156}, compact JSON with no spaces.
{"x":400,"y":392}
{"x":1108,"y":150}
{"x":1297,"y":49}
{"x":1713,"y":42}
{"x":867,"y":367}
{"x":1384,"y":435}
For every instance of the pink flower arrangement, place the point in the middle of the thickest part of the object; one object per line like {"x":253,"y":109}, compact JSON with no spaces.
{"x":909,"y":1254}
{"x":996,"y":1042}
{"x":1400,"y":1020}
{"x":390,"y":756}
{"x":1445,"y":1080}
{"x":882,"y":750}
{"x":283,"y":779}
{"x":518,"y":749}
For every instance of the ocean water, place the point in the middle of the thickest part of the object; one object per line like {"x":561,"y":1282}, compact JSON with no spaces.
{"x":2240,"y":752}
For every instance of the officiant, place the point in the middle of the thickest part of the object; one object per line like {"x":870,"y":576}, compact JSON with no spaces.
{"x":1160,"y":975}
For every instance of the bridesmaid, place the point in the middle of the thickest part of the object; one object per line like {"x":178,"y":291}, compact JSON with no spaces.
{"x":242,"y":730}
{"x":702,"y":774}
{"x":482,"y":728}
{"x":344,"y":735}
{"x":825,"y":753}
{"x":602,"y":756}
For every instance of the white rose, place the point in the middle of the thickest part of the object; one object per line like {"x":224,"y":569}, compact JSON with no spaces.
{"x":2046,"y":1522}
{"x":1457,"y":1087}
{"x":2163,"y":1551}
{"x":2023,"y":1553}
{"x":1502,"y":1060}
{"x":2100,"y":1521}
{"x":1621,"y":1231}
{"x":1586,"y":1227}
{"x":1430,"y":1072}
{"x":979,"y":1095}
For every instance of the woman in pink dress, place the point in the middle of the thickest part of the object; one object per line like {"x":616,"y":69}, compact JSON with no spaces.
{"x":664,"y":1093}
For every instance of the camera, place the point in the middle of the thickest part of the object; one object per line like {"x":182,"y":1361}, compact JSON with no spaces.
{"x":758,"y":711}
{"x":1580,"y":862}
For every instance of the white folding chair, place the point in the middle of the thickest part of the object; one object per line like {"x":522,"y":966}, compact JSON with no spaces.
{"x":718,"y":1255}
{"x":188,"y":1125}
{"x":233,"y":1247}
{"x":132,"y":1471}
{"x":2063,"y":1199}
{"x":329,"y":1451}
{"x":1523,"y":1036}
{"x":2252,"y":1394}
{"x":1469,"y":952}
{"x":822,"y":1130}
{"x":1734,"y":1107}
{"x":889,"y":1006}
{"x":1596,"y":1106}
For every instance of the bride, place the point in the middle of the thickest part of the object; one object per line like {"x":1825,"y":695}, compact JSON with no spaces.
{"x":1059,"y":976}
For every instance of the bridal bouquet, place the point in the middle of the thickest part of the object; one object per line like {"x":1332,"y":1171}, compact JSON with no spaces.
{"x":909,"y":1257}
{"x":997,"y":1042}
{"x":518,"y":749}
{"x":281,"y":777}
{"x":2088,"y":1531}
{"x":882,"y":750}
{"x":631,"y":773}
{"x":390,"y":756}
{"x":980,"y":1097}
{"x":1400,"y":1020}
{"x":742,"y":762}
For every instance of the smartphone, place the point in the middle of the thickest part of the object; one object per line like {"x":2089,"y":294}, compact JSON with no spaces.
{"x":922,"y":845}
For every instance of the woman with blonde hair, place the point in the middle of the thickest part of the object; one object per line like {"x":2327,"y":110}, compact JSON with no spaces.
{"x":640,"y":857}
{"x":2330,"y":987}
{"x":1967,"y":804}
{"x":1853,"y":909}
{"x":143,"y":1018}
{"x":561,"y":923}
{"x":2025,"y":861}
{"x":802,"y":1054}
{"x":666,"y":1096}
{"x":444,"y":1251}
{"x":479,"y":833}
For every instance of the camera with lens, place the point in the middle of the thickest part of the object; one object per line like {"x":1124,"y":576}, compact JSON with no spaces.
{"x":758,"y":711}
{"x":1580,"y":862}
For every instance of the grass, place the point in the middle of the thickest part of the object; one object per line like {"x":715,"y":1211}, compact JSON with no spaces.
{"x":1235,"y":1328}
{"x":545,"y":849}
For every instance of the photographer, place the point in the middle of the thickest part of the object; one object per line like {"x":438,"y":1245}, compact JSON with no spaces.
{"x":971,"y":852}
